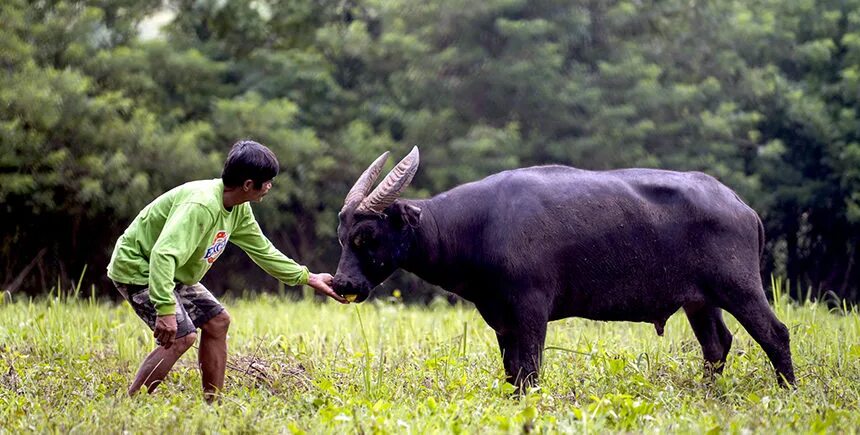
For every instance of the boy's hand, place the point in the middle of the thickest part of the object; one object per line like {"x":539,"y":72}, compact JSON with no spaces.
{"x":322,"y":284}
{"x":165,"y":330}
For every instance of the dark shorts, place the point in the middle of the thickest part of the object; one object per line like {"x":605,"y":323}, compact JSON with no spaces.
{"x":195,"y":305}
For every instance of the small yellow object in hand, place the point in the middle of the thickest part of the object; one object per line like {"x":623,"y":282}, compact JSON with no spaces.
{"x":350,"y":298}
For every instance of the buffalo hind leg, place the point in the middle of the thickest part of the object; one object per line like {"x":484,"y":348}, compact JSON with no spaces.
{"x":749,"y":305}
{"x":713,"y":335}
{"x":522,"y":347}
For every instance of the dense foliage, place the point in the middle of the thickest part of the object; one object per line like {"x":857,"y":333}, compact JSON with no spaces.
{"x":97,"y":116}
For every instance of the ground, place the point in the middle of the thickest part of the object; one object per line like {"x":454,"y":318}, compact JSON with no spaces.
{"x":304,"y":366}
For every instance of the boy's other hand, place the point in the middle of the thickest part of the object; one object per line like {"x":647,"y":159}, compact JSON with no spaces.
{"x":165,"y":330}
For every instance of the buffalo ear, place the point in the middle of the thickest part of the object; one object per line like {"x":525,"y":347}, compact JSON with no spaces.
{"x":410,"y":214}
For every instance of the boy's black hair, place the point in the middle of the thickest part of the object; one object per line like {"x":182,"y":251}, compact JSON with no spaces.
{"x":249,"y":160}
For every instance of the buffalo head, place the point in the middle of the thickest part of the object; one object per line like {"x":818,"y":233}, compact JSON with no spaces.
{"x":374,"y":232}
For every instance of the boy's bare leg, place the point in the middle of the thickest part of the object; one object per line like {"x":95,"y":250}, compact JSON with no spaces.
{"x":213,"y":354}
{"x":158,"y":363}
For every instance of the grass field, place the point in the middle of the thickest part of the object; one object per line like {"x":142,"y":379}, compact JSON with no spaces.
{"x":65,"y":364}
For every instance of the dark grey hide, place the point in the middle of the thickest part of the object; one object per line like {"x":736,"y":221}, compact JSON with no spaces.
{"x":532,"y":245}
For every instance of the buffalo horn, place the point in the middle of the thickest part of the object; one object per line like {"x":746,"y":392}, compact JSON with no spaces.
{"x":365,"y":182}
{"x":393,"y":184}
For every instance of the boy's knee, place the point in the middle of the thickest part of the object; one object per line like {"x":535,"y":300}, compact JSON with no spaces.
{"x":218,"y":325}
{"x":182,"y":344}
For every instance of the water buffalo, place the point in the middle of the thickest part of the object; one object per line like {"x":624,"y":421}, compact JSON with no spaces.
{"x":531,"y":245}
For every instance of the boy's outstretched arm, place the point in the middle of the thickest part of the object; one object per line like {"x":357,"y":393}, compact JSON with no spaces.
{"x":250,"y":238}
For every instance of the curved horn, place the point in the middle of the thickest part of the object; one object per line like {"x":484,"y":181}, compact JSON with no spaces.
{"x":393,"y":184}
{"x":365,"y":182}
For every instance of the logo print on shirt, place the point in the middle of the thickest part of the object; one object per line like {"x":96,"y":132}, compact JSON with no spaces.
{"x":217,"y":247}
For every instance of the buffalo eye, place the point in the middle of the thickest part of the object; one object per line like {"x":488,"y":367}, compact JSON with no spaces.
{"x":357,"y":241}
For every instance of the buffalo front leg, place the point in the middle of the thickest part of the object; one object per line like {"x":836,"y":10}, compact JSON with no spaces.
{"x":522,"y":348}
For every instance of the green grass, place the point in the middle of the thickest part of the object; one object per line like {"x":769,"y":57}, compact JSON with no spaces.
{"x":65,"y":364}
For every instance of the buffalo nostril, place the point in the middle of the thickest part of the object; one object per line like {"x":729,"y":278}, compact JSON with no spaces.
{"x":341,"y":285}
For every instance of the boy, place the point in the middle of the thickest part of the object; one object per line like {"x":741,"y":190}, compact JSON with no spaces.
{"x":158,"y":262}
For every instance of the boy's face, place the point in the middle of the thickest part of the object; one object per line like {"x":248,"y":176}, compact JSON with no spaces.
{"x":254,"y":194}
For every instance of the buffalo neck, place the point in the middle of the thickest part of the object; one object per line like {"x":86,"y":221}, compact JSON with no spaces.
{"x":434,"y":255}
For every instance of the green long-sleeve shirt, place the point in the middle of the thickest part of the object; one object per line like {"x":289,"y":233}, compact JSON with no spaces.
{"x":178,"y":237}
